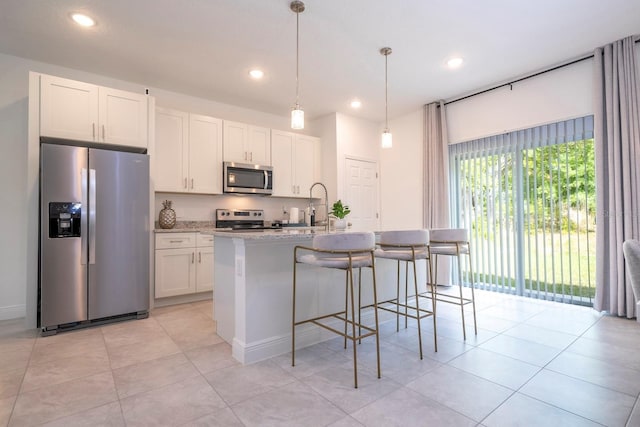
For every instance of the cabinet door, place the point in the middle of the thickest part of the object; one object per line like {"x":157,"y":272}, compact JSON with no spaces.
{"x":172,"y":150}
{"x":234,"y":142}
{"x":68,"y":109}
{"x":303,"y":164}
{"x":205,"y":154}
{"x":204,"y":270}
{"x":281,"y":149}
{"x":259,"y":146}
{"x":175,"y":272}
{"x":123,"y":118}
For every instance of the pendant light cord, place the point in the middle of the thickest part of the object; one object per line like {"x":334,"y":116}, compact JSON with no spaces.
{"x":297,"y":55}
{"x":386,"y":91}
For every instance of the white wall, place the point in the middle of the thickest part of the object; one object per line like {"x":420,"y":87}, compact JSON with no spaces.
{"x":401,"y":186}
{"x":13,"y":159}
{"x":557,"y":95}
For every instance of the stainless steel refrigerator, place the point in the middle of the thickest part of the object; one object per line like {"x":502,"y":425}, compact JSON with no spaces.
{"x":94,"y":236}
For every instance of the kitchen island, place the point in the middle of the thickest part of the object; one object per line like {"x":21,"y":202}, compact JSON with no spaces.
{"x":253,"y":292}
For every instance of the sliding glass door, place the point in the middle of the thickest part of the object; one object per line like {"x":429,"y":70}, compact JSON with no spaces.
{"x":528,"y":199}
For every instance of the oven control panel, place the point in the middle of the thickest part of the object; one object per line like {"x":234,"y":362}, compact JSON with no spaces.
{"x":240,"y":215}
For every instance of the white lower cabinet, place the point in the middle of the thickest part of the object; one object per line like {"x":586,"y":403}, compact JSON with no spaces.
{"x":184,"y":264}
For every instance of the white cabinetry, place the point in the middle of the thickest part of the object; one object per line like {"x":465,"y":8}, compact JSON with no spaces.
{"x":246,"y":143}
{"x":293,"y":158}
{"x":184,"y":264}
{"x":188,"y":152}
{"x":80,"y":111}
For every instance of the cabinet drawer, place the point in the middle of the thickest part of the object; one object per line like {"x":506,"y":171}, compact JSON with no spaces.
{"x":205,"y":240}
{"x":175,"y":240}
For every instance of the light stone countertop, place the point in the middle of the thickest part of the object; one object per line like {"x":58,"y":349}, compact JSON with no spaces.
{"x":209,"y":227}
{"x":282,"y":234}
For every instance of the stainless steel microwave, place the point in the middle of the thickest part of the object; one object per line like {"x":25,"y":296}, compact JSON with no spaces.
{"x":247,"y":178}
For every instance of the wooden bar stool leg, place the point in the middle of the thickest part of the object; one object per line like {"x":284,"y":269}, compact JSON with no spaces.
{"x":398,"y":298}
{"x":406,"y":291}
{"x":464,"y":327}
{"x":293,"y":320}
{"x":473,"y":296}
{"x":353,"y":327}
{"x":415,"y":283}
{"x":346,"y":304}
{"x":375,"y":314}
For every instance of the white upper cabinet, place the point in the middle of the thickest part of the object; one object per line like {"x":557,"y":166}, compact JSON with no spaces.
{"x":172,"y":151}
{"x":80,"y":111}
{"x":188,"y":153}
{"x":245,"y":143}
{"x":122,"y":117}
{"x":68,"y":109}
{"x":294,"y":163}
{"x":205,"y":154}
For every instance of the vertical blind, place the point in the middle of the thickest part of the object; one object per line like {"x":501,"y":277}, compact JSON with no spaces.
{"x":527,"y":198}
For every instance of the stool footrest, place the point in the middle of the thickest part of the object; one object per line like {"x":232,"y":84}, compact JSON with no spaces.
{"x":450,"y":299}
{"x":396,"y":309}
{"x":338,"y":315}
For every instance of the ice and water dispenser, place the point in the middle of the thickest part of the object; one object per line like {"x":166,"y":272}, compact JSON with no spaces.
{"x":64,"y":219}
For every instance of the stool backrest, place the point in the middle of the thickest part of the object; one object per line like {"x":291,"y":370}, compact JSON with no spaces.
{"x":449,"y":234}
{"x":405,"y":237}
{"x":359,"y":241}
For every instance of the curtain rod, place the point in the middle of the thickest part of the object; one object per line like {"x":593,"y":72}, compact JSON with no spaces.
{"x":575,"y":61}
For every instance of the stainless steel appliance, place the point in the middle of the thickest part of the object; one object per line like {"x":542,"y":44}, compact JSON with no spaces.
{"x":94,"y":236}
{"x":247,"y":178}
{"x":243,"y":220}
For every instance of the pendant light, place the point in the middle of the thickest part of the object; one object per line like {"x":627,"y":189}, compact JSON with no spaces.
{"x":387,"y":140}
{"x":297,"y":114}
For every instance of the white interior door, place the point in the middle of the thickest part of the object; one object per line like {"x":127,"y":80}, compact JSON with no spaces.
{"x":362,"y":194}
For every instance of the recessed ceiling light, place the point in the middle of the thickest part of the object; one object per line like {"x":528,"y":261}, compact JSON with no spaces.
{"x":454,"y":62}
{"x":356,"y":103}
{"x":256,"y":74}
{"x":83,"y":20}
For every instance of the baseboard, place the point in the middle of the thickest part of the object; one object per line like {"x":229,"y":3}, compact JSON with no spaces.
{"x":182,"y":299}
{"x":13,"y":312}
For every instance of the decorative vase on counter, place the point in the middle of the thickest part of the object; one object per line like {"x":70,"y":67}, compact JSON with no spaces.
{"x":340,"y":224}
{"x":167,"y":218}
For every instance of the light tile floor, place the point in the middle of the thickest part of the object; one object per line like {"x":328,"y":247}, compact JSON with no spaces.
{"x":532,"y":363}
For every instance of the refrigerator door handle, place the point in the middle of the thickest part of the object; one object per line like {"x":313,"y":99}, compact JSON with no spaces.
{"x":83,"y":216}
{"x":92,"y":216}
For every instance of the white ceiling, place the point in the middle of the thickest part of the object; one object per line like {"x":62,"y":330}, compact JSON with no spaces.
{"x":206,"y":47}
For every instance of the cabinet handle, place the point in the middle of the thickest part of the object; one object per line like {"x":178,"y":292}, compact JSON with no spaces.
{"x":93,"y":125}
{"x":192,"y":183}
{"x":103,"y":137}
{"x":175,"y":241}
{"x":193,"y":257}
{"x":245,"y":155}
{"x":293,"y":189}
{"x":251,"y":156}
{"x":185,"y":183}
{"x":199,"y":257}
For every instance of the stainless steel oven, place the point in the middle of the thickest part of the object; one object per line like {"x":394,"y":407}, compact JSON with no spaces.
{"x":247,"y":178}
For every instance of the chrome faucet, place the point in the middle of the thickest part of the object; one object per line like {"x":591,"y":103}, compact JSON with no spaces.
{"x":326,"y":203}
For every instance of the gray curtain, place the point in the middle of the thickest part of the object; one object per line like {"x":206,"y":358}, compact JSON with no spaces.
{"x":617,"y":138}
{"x":436,"y":167}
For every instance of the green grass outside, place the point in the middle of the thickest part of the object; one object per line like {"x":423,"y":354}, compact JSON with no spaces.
{"x":565,"y":263}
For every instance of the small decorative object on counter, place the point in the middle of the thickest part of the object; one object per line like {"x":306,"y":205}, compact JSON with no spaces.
{"x":340,"y":211}
{"x":167,"y":218}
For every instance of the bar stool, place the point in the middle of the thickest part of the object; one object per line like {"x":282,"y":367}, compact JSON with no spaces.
{"x":453,"y":242}
{"x":408,"y":246}
{"x":343,"y":251}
